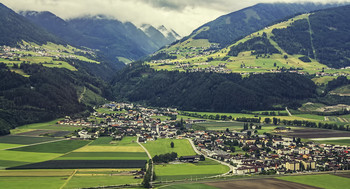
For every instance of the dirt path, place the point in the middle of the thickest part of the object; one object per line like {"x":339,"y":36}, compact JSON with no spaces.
{"x":82,"y":95}
{"x":69,"y":178}
{"x":288,"y":112}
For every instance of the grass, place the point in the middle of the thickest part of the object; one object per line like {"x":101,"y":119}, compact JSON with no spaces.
{"x":222,"y":125}
{"x":189,"y":186}
{"x":101,"y":141}
{"x":162,"y":146}
{"x":32,"y":182}
{"x":35,"y":173}
{"x":51,"y":125}
{"x":186,"y":170}
{"x":96,"y":181}
{"x":62,"y":147}
{"x":104,"y":156}
{"x":20,"y":156}
{"x":321,"y":181}
{"x":24,"y":139}
{"x":6,"y":146}
{"x":10,"y":163}
{"x":110,"y":149}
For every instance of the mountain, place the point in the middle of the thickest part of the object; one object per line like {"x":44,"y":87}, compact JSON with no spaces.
{"x":308,"y":43}
{"x":115,"y":39}
{"x":15,"y":28}
{"x":277,"y":64}
{"x":42,"y":77}
{"x":161,"y":36}
{"x":228,"y":28}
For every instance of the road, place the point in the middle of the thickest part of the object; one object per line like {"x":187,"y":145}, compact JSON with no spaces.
{"x":149,"y":156}
{"x":223,"y":163}
{"x":288,"y":112}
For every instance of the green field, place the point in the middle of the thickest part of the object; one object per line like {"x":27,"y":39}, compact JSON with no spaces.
{"x":321,"y":181}
{"x":32,"y":182}
{"x":7,"y":157}
{"x":107,"y":141}
{"x":95,"y":181}
{"x":10,"y":139}
{"x":6,"y":146}
{"x":51,"y":125}
{"x":55,"y":147}
{"x":104,"y":156}
{"x":162,"y":146}
{"x":101,"y":141}
{"x":189,"y":170}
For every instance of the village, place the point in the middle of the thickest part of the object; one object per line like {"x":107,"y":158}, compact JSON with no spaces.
{"x":29,"y":50}
{"x":268,"y":153}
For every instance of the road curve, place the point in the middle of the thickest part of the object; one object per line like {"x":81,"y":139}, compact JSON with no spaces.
{"x":223,"y":163}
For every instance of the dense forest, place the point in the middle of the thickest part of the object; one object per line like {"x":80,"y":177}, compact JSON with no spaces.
{"x":210,"y":91}
{"x":15,"y":28}
{"x":332,"y":51}
{"x":258,"y":46}
{"x":228,"y":28}
{"x":47,"y":94}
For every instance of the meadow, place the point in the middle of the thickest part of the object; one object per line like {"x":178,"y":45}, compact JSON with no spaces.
{"x":104,"y":156}
{"x":321,"y":181}
{"x":62,"y":147}
{"x":10,"y":139}
{"x":187,"y":171}
{"x":162,"y":146}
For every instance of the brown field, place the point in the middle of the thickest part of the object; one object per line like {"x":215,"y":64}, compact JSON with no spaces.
{"x":39,"y":132}
{"x":259,"y":184}
{"x":317,"y":133}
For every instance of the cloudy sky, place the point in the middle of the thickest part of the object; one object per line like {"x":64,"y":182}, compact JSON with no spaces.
{"x":181,"y":15}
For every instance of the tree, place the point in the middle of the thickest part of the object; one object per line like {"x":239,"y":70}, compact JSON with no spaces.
{"x":172,"y":144}
{"x":267,"y":120}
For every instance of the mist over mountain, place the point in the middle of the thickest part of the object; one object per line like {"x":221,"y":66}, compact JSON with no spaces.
{"x":113,"y":38}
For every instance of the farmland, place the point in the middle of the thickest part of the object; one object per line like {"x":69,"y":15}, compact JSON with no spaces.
{"x":104,"y":156}
{"x":81,"y":178}
{"x":186,"y":171}
{"x":83,"y":164}
{"x":317,"y":133}
{"x":24,"y":139}
{"x":259,"y":183}
{"x":189,"y":186}
{"x":95,"y":181}
{"x":162,"y":146}
{"x":64,"y":146}
{"x":334,"y":142}
{"x":322,"y":181}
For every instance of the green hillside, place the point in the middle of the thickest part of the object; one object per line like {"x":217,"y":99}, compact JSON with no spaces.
{"x":312,"y":43}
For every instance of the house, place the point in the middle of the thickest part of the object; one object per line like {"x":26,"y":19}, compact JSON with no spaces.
{"x":292,"y":166}
{"x":84,"y":134}
{"x":190,"y":159}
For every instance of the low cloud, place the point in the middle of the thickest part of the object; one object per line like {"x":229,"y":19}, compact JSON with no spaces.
{"x":181,"y":15}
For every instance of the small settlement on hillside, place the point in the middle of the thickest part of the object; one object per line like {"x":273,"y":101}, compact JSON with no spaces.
{"x":265,"y":154}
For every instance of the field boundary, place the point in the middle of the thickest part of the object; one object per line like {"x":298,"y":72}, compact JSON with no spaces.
{"x":68,"y":179}
{"x":35,"y":144}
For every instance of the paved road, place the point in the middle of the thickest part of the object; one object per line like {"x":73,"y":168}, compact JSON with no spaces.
{"x":223,"y":163}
